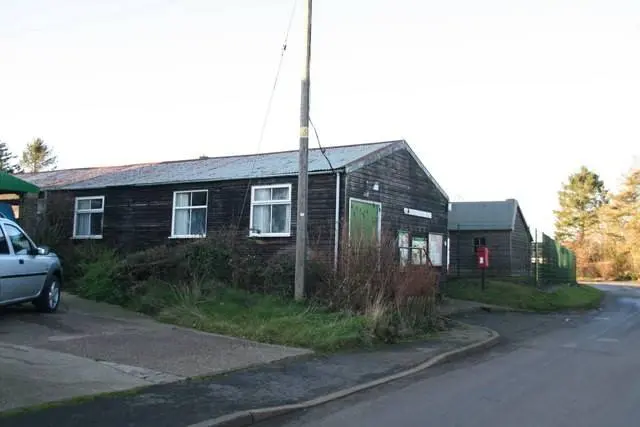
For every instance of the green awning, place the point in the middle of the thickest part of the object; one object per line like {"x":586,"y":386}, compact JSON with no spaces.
{"x":12,"y":184}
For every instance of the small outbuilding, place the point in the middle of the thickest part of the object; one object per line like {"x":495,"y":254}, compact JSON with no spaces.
{"x":498,"y":225}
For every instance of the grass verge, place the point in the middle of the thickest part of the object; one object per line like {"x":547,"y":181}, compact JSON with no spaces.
{"x":270,"y":319}
{"x":525,"y":297}
{"x":215,"y":285}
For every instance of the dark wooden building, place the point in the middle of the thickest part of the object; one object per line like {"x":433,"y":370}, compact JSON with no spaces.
{"x":499,"y":225}
{"x":367,"y":188}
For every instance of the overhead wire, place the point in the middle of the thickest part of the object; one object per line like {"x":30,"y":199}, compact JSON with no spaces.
{"x":322,"y":149}
{"x":269,"y":105}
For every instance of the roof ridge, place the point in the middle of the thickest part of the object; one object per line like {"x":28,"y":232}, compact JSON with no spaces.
{"x":205,"y":158}
{"x":271,"y":164}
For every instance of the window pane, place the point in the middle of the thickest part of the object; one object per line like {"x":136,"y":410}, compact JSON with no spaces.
{"x":280,"y":193}
{"x":96,"y":203}
{"x":198,"y":222}
{"x":262,"y":194}
{"x":182,"y":199}
{"x":199,"y":198}
{"x":435,"y":249}
{"x":280,"y":218}
{"x":18,"y":240}
{"x":4,"y":245}
{"x":261,"y":219}
{"x":419,"y":254}
{"x":84,"y":204}
{"x":181,"y":222}
{"x":96,"y":224}
{"x":403,"y":244}
{"x":83,"y":224}
{"x":478,"y":241}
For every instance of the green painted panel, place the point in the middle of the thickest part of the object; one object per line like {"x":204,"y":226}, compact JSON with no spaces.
{"x":12,"y":184}
{"x":363,"y":221}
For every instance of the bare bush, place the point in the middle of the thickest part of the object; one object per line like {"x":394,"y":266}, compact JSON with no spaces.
{"x":398,"y":299}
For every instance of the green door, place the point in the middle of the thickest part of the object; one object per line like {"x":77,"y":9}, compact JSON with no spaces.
{"x":364,"y":221}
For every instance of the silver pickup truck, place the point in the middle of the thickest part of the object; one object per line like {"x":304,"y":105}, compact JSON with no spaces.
{"x":27,"y":272}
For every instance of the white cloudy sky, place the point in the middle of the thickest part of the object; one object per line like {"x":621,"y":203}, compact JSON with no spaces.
{"x":500,"y":98}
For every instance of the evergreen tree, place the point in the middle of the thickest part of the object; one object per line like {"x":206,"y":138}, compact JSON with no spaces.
{"x":580,"y":200}
{"x":7,"y":160}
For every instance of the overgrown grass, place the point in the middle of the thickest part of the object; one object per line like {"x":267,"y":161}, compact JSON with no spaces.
{"x":526,"y":297}
{"x":221,"y":285}
{"x":269,"y":319}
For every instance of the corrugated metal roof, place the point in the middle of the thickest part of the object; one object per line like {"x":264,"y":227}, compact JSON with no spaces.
{"x":62,"y":177}
{"x":494,"y":215}
{"x":201,"y":170}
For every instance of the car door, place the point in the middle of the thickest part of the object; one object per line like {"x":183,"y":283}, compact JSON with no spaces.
{"x":31,"y":272}
{"x":7,"y":269}
{"x":11,"y":270}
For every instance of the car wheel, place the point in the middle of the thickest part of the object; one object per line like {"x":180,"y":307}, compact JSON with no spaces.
{"x":49,"y":299}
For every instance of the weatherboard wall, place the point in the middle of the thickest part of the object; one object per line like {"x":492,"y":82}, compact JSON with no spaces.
{"x":520,"y":247}
{"x":397,"y":182}
{"x":140,"y":217}
{"x":463,"y":257}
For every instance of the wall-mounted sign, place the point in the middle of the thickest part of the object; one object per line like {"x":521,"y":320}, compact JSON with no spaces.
{"x":419,"y":213}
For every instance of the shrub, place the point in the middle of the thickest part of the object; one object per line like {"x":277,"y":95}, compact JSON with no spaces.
{"x":278,"y":276}
{"x":398,"y":300}
{"x":216,"y":259}
{"x":97,"y":278}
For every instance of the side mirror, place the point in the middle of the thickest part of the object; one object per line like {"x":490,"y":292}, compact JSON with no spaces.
{"x":43,"y":250}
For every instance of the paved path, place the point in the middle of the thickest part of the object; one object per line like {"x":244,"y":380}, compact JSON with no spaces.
{"x":90,"y":348}
{"x":565,"y":370}
{"x":187,"y":402}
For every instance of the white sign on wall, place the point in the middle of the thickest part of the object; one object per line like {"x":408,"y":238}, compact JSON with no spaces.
{"x":418,"y":213}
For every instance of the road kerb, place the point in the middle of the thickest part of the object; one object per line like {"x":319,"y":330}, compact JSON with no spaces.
{"x":249,"y":417}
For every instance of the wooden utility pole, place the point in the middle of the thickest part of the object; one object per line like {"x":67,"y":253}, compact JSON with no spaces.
{"x":303,"y":164}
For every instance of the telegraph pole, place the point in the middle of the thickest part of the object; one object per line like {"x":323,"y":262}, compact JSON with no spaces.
{"x":303,"y":163}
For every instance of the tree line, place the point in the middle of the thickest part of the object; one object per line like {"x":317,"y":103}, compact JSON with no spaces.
{"x":37,"y":156}
{"x":600,"y":226}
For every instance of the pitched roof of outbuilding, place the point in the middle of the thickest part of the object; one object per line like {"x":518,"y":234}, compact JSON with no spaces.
{"x":490,"y":215}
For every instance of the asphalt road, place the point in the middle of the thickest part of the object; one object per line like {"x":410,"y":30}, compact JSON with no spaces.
{"x":580,"y":371}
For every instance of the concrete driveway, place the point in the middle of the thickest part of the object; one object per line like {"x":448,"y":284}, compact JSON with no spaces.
{"x":89,"y":348}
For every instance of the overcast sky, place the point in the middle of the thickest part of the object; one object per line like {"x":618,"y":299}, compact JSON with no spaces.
{"x":500,"y":99}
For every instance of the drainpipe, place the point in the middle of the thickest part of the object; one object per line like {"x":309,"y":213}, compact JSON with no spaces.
{"x":336,"y":242}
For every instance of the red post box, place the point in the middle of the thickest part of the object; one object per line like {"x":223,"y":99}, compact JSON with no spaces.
{"x":482,"y":256}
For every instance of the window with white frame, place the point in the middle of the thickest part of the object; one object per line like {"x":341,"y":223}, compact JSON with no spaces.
{"x":436,"y":244}
{"x":271,"y":210}
{"x":88,"y":217}
{"x":418,"y":250}
{"x":189,"y":213}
